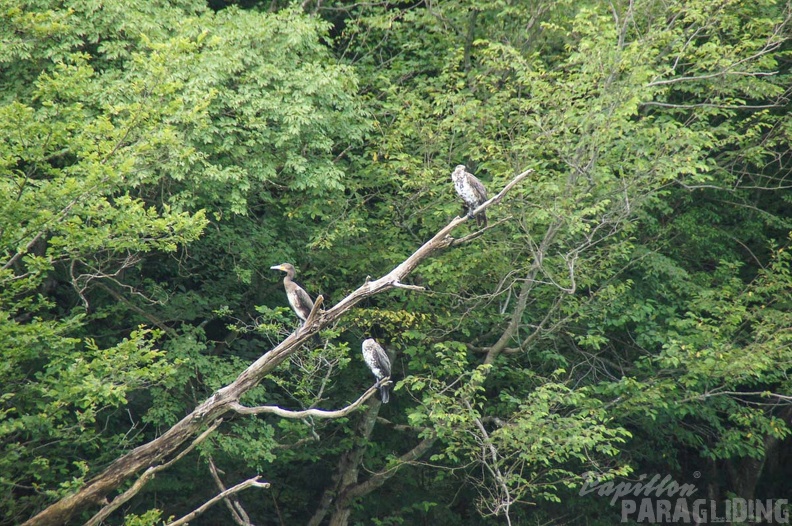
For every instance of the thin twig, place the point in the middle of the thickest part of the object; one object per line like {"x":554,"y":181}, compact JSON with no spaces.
{"x":477,"y":233}
{"x":237,"y":512}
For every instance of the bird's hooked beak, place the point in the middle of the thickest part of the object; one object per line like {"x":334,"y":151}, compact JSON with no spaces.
{"x":277,"y":267}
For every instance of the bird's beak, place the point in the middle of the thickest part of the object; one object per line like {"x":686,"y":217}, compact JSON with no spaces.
{"x":276,"y":267}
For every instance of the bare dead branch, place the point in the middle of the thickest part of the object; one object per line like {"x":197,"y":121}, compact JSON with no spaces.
{"x":25,"y":250}
{"x":315,"y":310}
{"x":146,"y":476}
{"x":150,"y":317}
{"x":722,"y":73}
{"x":253,"y":482}
{"x":315,"y":413}
{"x":298,"y":443}
{"x":769,"y":47}
{"x":239,"y":515}
{"x":514,"y":321}
{"x":500,"y":195}
{"x":400,"y":285}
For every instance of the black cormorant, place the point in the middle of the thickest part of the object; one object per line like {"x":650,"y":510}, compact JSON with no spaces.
{"x":472,"y":192}
{"x":377,"y":360}
{"x":299,"y":300}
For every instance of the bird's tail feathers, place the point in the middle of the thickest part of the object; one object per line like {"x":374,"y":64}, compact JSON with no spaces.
{"x":385,"y":393}
{"x":481,"y":219}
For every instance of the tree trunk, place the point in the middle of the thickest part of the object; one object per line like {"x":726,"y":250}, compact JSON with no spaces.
{"x":348,"y":468}
{"x":349,"y":465}
{"x":745,"y":472}
{"x":347,"y":489}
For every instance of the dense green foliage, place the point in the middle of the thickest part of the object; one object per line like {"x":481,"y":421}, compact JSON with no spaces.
{"x":627,"y":312}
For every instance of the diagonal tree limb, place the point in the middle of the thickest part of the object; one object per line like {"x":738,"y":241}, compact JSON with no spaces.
{"x":238,"y":514}
{"x":146,"y":476}
{"x":378,"y":479}
{"x":94,"y":491}
{"x":497,"y":198}
{"x":254,"y":482}
{"x":343,"y":495}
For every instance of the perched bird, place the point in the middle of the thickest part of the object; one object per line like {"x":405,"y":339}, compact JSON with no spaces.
{"x":472,"y":192}
{"x":299,"y":300}
{"x":377,"y":360}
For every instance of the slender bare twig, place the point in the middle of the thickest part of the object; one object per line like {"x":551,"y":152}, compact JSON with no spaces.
{"x":150,"y":317}
{"x":501,"y":504}
{"x":477,"y":233}
{"x":711,"y":105}
{"x":500,"y":195}
{"x":239,"y":515}
{"x":715,"y":392}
